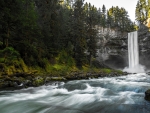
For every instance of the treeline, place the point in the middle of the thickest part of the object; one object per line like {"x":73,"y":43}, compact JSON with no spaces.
{"x":142,"y":11}
{"x":56,"y":30}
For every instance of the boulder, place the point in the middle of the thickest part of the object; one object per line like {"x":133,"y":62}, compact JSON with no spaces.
{"x":147,"y":95}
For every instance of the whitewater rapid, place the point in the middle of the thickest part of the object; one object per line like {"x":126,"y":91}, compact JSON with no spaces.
{"x":104,"y":95}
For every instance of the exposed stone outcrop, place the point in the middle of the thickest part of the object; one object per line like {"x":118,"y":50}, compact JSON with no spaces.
{"x":147,"y":95}
{"x":144,"y":46}
{"x":112,"y":47}
{"x":24,"y":80}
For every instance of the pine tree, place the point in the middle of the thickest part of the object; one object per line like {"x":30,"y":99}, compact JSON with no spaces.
{"x":138,"y":11}
{"x":48,"y":11}
{"x":79,"y":33}
{"x":99,"y":16}
{"x":142,"y":9}
{"x":103,"y":19}
{"x":109,"y":19}
{"x":147,"y":7}
{"x":28,"y":33}
{"x":9,"y":19}
{"x":91,"y":33}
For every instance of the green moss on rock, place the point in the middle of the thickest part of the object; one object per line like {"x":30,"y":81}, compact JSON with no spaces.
{"x":38,"y":81}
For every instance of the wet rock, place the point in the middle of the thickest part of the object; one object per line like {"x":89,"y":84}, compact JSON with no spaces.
{"x":38,"y":81}
{"x":148,"y":73}
{"x":125,"y":73}
{"x":58,"y":78}
{"x":27,"y":83}
{"x":147,"y":95}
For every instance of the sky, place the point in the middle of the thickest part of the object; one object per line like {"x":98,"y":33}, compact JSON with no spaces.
{"x":129,"y":5}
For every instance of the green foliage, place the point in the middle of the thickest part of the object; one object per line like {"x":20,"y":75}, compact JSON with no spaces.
{"x":142,"y":10}
{"x":106,"y":70}
{"x":10,"y":61}
{"x":65,"y":58}
{"x":58,"y":69}
{"x":118,"y":19}
{"x":9,"y":53}
{"x":38,"y":81}
{"x":49,"y":32}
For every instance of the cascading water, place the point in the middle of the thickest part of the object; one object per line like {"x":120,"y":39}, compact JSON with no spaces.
{"x":104,"y":95}
{"x":133,"y":54}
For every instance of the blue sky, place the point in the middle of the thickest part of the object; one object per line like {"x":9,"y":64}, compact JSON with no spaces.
{"x":129,"y":5}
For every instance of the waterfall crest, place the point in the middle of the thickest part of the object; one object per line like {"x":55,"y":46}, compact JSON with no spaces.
{"x":133,"y":54}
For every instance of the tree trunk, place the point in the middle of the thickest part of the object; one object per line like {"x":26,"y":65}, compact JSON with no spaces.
{"x":7,"y":42}
{"x":8,"y":35}
{"x":4,"y":42}
{"x":90,"y":60}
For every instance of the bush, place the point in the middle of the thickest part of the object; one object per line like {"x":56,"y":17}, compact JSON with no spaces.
{"x":43,"y":63}
{"x":9,"y":53}
{"x":106,"y":70}
{"x":65,"y":58}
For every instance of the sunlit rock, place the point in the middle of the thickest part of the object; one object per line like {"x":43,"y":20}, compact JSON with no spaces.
{"x":148,"y":22}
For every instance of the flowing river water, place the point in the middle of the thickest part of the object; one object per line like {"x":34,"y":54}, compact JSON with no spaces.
{"x":123,"y":94}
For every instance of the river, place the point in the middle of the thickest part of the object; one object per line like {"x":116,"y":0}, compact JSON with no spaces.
{"x":123,"y":94}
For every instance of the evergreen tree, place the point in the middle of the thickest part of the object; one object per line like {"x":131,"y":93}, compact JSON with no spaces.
{"x":138,"y":11}
{"x":142,"y":9}
{"x":99,"y":16}
{"x":48,"y":11}
{"x":103,"y":19}
{"x":44,"y":29}
{"x":109,"y":19}
{"x":91,"y":32}
{"x":79,"y":41}
{"x":9,"y":19}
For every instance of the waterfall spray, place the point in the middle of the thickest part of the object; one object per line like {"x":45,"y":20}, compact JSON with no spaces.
{"x":133,"y":54}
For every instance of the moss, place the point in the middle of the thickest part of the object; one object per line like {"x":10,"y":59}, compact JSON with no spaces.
{"x":23,"y":65}
{"x":57,"y":79}
{"x":119,"y":71}
{"x":65,"y":58}
{"x":64,"y":65}
{"x":38,"y":81}
{"x":107,"y":71}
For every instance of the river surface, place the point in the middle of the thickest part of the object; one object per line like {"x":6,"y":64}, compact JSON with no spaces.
{"x":104,"y":95}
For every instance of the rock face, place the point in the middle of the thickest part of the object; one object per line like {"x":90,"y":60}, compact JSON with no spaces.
{"x":112,"y":48}
{"x":147,"y":95}
{"x":144,"y":46}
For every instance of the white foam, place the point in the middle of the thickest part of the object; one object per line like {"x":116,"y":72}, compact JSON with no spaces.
{"x":136,"y":69}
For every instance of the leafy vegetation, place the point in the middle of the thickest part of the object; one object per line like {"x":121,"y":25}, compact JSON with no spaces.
{"x":142,"y":11}
{"x":53,"y":35}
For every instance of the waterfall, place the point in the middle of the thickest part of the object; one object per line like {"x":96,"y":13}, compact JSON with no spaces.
{"x":133,"y":51}
{"x":133,"y":54}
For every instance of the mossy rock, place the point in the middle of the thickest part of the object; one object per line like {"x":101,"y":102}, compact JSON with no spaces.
{"x":58,"y":78}
{"x":38,"y":81}
{"x":147,"y":95}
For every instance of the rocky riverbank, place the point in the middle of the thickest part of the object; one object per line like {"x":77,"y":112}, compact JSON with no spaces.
{"x":24,"y":80}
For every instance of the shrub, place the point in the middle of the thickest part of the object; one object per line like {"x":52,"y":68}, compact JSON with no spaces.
{"x":65,"y":58}
{"x":9,"y":53}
